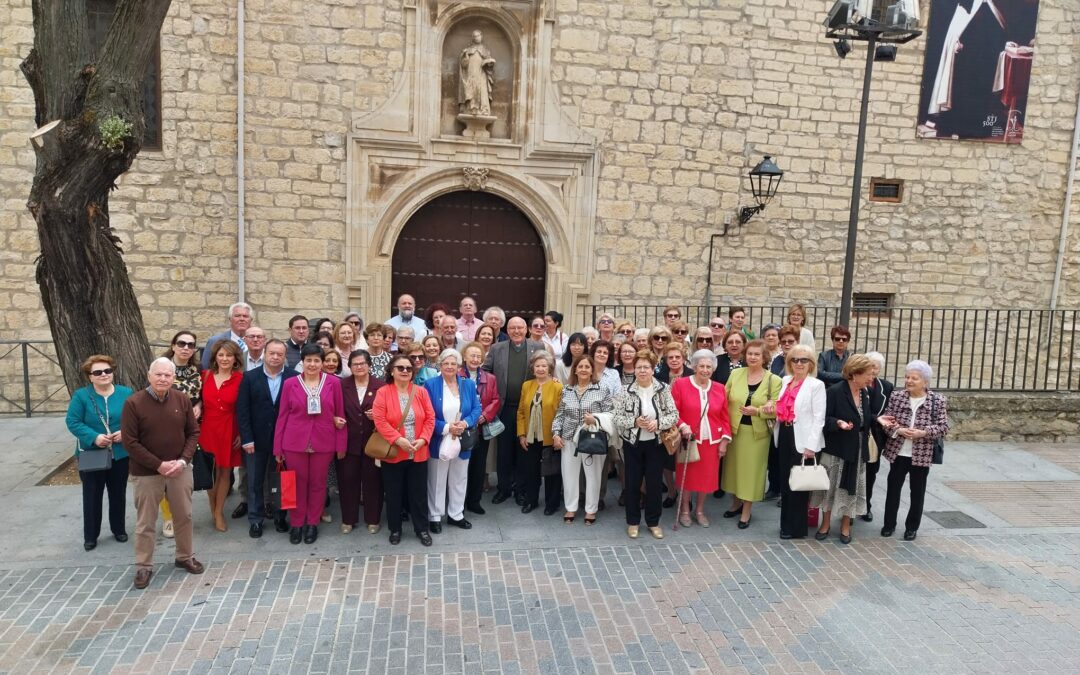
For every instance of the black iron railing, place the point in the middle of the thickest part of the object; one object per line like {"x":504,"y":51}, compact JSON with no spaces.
{"x":969,"y":349}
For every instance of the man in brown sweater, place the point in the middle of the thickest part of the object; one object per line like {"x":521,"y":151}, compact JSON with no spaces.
{"x":159,"y":431}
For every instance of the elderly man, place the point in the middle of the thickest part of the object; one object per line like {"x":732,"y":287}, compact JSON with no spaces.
{"x":496,"y":318}
{"x":160,"y":432}
{"x":240,"y":317}
{"x":468,"y":324}
{"x":406,"y":316}
{"x":509,"y":361}
{"x":718,"y":326}
{"x":255,"y":339}
{"x":299,"y":330}
{"x":448,"y":335}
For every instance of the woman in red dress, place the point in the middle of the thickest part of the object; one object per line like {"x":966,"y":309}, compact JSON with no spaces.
{"x":711,"y":429}
{"x":220,"y":434}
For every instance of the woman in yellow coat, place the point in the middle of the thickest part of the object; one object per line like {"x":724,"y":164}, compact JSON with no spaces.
{"x":751,"y":392}
{"x":537,"y":456}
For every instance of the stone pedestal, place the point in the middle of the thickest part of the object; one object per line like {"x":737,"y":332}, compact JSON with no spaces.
{"x":476,"y":126}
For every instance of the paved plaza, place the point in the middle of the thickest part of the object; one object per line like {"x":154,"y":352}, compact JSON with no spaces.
{"x":527,"y":594}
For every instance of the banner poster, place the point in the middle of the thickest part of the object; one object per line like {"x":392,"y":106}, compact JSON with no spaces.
{"x":977,"y":70}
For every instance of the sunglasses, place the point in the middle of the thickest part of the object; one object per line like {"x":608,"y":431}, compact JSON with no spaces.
{"x":184,"y":344}
{"x":606,"y":321}
{"x":787,"y":343}
{"x":800,"y":360}
{"x":661,"y":338}
{"x":627,"y":331}
{"x":680,"y":332}
{"x":417,"y":357}
{"x":672,"y":316}
{"x":103,"y":371}
{"x":716,"y":325}
{"x":355,"y":322}
{"x":840,"y":338}
{"x":703,"y":339}
{"x":538,"y":326}
{"x":403,"y":369}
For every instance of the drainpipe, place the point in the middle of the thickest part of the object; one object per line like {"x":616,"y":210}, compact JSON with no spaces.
{"x":1063,"y":237}
{"x":240,"y":196}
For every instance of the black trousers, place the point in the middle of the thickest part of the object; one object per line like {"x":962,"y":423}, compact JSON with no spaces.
{"x":553,"y":490}
{"x":474,"y":485}
{"x":644,"y":461}
{"x":794,"y":505}
{"x":405,"y":480}
{"x":507,"y":466}
{"x":94,"y":486}
{"x":871,"y":476}
{"x":901,"y":468}
{"x":528,"y":471}
{"x":776,"y":476}
{"x":258,"y":466}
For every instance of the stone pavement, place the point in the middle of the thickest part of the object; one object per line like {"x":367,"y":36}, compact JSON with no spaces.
{"x":527,"y":594}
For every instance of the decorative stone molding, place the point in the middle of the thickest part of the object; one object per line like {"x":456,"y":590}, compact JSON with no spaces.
{"x":476,"y":178}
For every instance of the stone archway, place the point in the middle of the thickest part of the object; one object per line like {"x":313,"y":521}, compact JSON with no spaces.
{"x":471,"y":243}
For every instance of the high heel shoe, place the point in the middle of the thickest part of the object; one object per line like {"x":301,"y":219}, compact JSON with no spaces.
{"x":569,"y":519}
{"x":745,"y":524}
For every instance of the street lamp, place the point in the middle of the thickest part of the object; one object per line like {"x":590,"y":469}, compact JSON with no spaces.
{"x":764,"y":180}
{"x":855,"y":20}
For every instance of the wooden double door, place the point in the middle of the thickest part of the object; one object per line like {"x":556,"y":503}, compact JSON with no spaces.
{"x":475,"y":244}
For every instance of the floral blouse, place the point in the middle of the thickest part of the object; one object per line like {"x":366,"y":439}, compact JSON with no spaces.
{"x":189,"y":381}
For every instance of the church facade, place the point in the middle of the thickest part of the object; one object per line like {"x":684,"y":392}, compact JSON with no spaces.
{"x":552,"y":154}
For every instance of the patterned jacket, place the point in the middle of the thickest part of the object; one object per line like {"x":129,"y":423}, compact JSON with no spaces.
{"x":628,"y":409}
{"x":572,"y":408}
{"x":932,"y":416}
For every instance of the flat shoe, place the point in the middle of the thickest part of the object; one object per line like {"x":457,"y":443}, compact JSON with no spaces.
{"x":373,"y":529}
{"x":632,"y":531}
{"x":311,"y":533}
{"x":142,"y":578}
{"x":327,"y":518}
{"x":732,"y":514}
{"x":240,"y":511}
{"x":669,"y":502}
{"x":821,"y":536}
{"x":425,"y":538}
{"x":345,"y":529}
{"x":167,"y":529}
{"x":89,"y":545}
{"x":656,"y":532}
{"x":702,"y":520}
{"x":395,"y":538}
{"x":886,"y":531}
{"x":684,"y":520}
{"x":745,"y":524}
{"x":191,"y":565}
{"x":463,"y":524}
{"x":296,"y":535}
{"x":867,"y":517}
{"x":528,"y":508}
{"x":122,"y":537}
{"x":909,"y":535}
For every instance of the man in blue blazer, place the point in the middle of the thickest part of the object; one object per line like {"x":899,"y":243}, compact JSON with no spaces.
{"x":240,"y":317}
{"x":256,"y":412}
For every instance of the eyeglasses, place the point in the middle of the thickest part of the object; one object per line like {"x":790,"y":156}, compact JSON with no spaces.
{"x":538,"y":326}
{"x":255,"y":337}
{"x":840,"y":338}
{"x":403,"y":369}
{"x":675,"y":315}
{"x":357,"y":364}
{"x":801,"y":360}
{"x":103,"y":371}
{"x":184,"y":344}
{"x":661,"y":338}
{"x":787,"y":343}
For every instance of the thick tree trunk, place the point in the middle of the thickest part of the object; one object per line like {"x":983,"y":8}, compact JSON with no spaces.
{"x":85,"y":289}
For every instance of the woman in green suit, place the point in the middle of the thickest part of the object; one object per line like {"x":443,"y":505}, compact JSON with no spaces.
{"x":751,"y":392}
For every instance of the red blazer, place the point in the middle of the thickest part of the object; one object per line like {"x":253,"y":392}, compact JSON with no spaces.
{"x":387,"y":412}
{"x":488,"y":389}
{"x":688,"y":403}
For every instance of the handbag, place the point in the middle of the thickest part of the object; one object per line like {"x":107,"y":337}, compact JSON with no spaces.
{"x":95,"y":459}
{"x":283,"y":490}
{"x":469,"y":438}
{"x":939,"y":442}
{"x":202,"y":469}
{"x":688,"y":452}
{"x":804,"y":478}
{"x":550,"y":462}
{"x":493,"y":429}
{"x":591,"y":442}
{"x":450,"y":448}
{"x":672,"y":439}
{"x":378,"y":447}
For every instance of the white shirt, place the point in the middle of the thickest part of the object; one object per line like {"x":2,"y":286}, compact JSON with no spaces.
{"x":360,"y":392}
{"x":451,"y":408}
{"x":648,"y":410}
{"x":420,"y":329}
{"x":252,"y":364}
{"x":916,"y":403}
{"x":557,"y":343}
{"x":704,"y":433}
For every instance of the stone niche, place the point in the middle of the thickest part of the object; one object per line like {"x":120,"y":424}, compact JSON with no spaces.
{"x":410,"y":149}
{"x":503,"y":50}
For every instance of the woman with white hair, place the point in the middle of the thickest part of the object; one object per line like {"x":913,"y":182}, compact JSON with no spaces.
{"x":457,"y":409}
{"x":880,"y":389}
{"x":914,"y":419}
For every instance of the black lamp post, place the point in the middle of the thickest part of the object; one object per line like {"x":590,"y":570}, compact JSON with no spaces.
{"x":764,"y":180}
{"x":852,"y":20}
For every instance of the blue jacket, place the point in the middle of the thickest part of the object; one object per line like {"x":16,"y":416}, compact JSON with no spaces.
{"x":207,"y":348}
{"x":470,"y":409}
{"x":85,"y":424}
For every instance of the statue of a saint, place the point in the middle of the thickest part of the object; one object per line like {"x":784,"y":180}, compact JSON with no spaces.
{"x":477,"y":78}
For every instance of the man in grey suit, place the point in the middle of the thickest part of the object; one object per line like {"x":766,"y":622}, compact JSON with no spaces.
{"x":240,"y":317}
{"x":509,"y":361}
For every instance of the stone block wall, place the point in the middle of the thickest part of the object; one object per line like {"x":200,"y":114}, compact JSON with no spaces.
{"x":1052,"y":417}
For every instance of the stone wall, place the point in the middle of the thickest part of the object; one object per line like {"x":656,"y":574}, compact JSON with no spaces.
{"x":683,"y":96}
{"x":1052,"y":417}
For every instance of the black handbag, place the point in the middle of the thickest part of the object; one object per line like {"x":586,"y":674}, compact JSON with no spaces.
{"x":94,"y":458}
{"x":592,"y":442}
{"x":469,"y":438}
{"x":202,"y":469}
{"x":939,"y":442}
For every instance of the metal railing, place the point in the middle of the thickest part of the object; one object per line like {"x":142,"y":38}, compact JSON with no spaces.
{"x":970,"y":349}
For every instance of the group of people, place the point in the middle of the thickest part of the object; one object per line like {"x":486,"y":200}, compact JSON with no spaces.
{"x":455,"y":406}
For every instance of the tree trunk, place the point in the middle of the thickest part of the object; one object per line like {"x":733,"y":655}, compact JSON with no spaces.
{"x":85,"y":289}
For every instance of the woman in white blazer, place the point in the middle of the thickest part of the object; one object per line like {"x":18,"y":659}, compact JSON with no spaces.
{"x":800,"y":419}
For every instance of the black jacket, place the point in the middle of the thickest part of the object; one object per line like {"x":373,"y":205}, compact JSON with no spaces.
{"x":724,"y":366}
{"x":879,"y":393}
{"x":840,"y":406}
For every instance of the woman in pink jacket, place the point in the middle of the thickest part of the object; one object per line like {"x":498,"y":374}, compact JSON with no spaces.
{"x":310,"y":431}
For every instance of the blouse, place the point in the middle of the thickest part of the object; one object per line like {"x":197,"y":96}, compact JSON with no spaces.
{"x":916,"y":403}
{"x":785,"y":407}
{"x":648,"y":410}
{"x":189,"y":380}
{"x":704,"y":433}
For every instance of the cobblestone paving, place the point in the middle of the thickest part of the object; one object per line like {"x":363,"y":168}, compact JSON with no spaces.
{"x":949,"y":604}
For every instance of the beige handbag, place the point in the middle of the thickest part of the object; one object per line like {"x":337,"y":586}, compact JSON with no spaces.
{"x":874,"y":452}
{"x":808,"y":478}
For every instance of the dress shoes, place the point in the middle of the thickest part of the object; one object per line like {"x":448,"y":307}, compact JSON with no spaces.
{"x":785,"y":535}
{"x":240,"y":511}
{"x":281,"y":524}
{"x":500,"y":497}
{"x":373,"y":529}
{"x":435,"y":527}
{"x":718,"y":494}
{"x":89,"y":545}
{"x":669,"y":502}
{"x":255,"y":530}
{"x":296,"y":535}
{"x":191,"y":566}
{"x":463,"y":524}
{"x":732,"y":514}
{"x":311,"y":533}
{"x":821,"y":536}
{"x":656,"y":532}
{"x":528,"y":508}
{"x":424,"y":537}
{"x":121,"y":537}
{"x":886,"y":531}
{"x":519,"y":499}
{"x":909,"y":535}
{"x":633,"y":531}
{"x":867,"y":517}
{"x":745,"y":524}
{"x":142,"y":578}
{"x":475,"y":508}
{"x":550,"y":509}
{"x":845,"y":538}
{"x":395,"y":538}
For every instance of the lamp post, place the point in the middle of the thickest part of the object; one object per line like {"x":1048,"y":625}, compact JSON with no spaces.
{"x":850,"y":20}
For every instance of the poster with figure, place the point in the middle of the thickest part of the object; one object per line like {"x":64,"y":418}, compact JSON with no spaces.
{"x":977,"y":70}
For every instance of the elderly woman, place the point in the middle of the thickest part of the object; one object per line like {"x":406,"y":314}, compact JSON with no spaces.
{"x":496,"y":318}
{"x":642,"y":411}
{"x":220,"y":431}
{"x":703,"y":339}
{"x":591,"y":336}
{"x":703,"y":417}
{"x":718,"y":328}
{"x":554,"y":337}
{"x":625,"y":329}
{"x":605,"y":327}
{"x":788,"y":337}
{"x":625,"y":364}
{"x":404,"y":337}
{"x":93,"y":417}
{"x":576,"y":345}
{"x":796,"y":316}
{"x":404,"y":416}
{"x":323,"y":326}
{"x":641,"y":338}
{"x":800,"y":417}
{"x":732,"y":358}
{"x":915,"y":419}
{"x":357,"y":323}
{"x":432,"y":348}
{"x":433,"y":316}
{"x":749,"y":390}
{"x":457,"y":409}
{"x":831,"y":361}
{"x":488,"y":391}
{"x":673,"y":365}
{"x":307,"y":438}
{"x":770,"y":335}
{"x":582,"y":398}
{"x":536,"y":330}
{"x":603,"y":356}
{"x":879,"y":390}
{"x":659,"y":337}
{"x":345,"y":338}
{"x":358,"y":475}
{"x":538,"y":459}
{"x":377,"y":348}
{"x":680,"y":332}
{"x":847,"y":430}
{"x":331,"y":363}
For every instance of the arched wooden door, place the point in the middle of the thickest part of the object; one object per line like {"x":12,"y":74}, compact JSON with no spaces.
{"x":471,"y":243}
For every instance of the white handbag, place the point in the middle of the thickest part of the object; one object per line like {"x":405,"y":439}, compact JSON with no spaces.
{"x":449,"y":448}
{"x":808,"y":478}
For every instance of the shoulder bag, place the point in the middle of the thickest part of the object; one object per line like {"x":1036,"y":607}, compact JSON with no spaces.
{"x":939,"y":442}
{"x":804,"y":478}
{"x":591,"y":442}
{"x":202,"y":470}
{"x":688,"y":452}
{"x":95,"y":458}
{"x":378,"y":447}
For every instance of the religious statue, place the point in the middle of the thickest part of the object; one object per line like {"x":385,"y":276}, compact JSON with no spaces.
{"x":477,"y":78}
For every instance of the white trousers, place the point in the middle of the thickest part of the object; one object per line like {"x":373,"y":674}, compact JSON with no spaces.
{"x":447,"y":477}
{"x":593,"y":466}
